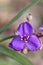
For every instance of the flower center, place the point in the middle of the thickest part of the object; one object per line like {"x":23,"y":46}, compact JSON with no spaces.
{"x":25,"y":38}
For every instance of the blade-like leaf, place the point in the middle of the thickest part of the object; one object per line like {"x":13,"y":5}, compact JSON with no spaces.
{"x":15,"y":55}
{"x":8,"y":61}
{"x":18,"y":15}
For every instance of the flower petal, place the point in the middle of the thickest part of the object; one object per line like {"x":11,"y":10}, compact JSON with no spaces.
{"x":20,"y":30}
{"x":41,"y":28}
{"x":33,"y":43}
{"x":25,"y":29}
{"x":17,"y":43}
{"x":28,"y":30}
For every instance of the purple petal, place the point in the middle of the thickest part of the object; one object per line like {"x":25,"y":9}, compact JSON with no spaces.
{"x":25,"y":29}
{"x":33,"y":43}
{"x":28,"y":30}
{"x":41,"y":28}
{"x":17,"y":44}
{"x":20,"y":29}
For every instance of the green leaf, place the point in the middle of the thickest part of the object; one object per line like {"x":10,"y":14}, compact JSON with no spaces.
{"x":18,"y":15}
{"x":8,"y":61}
{"x":15,"y":55}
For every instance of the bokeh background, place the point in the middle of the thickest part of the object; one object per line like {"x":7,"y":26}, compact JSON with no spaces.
{"x":8,"y":9}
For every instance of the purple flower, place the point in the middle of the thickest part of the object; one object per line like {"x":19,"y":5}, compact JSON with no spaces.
{"x":41,"y":28}
{"x":25,"y":38}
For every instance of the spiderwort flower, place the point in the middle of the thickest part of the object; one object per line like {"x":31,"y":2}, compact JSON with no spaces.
{"x":25,"y":38}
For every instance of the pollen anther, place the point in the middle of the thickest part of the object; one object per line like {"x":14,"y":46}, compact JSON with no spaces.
{"x":28,"y":37}
{"x":21,"y":39}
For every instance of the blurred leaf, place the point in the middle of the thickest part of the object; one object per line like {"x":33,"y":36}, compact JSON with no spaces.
{"x":18,"y":15}
{"x":4,"y":61}
{"x":15,"y":55}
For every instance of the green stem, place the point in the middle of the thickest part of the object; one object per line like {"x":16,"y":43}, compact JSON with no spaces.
{"x":6,"y":38}
{"x":15,"y":55}
{"x":18,"y":15}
